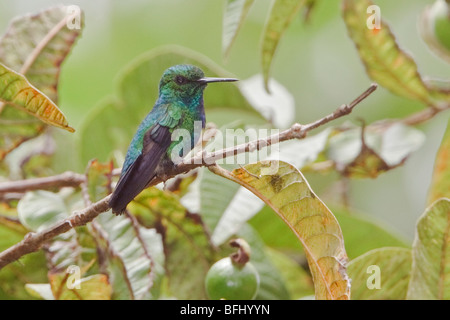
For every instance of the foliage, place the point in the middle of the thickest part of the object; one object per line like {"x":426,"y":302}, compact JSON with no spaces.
{"x":172,"y":234}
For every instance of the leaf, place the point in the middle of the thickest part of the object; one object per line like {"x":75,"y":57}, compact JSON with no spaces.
{"x":375,"y":152}
{"x":383,"y":59}
{"x":280,"y":17}
{"x":297,"y":280}
{"x":35,"y":46}
{"x":188,"y":251}
{"x":13,"y":277}
{"x":271,"y":281}
{"x":17,"y":91}
{"x":135,"y":254}
{"x":215,"y":196}
{"x":430,"y":274}
{"x":440,"y":184}
{"x":390,"y":266}
{"x":41,"y":209}
{"x":434,"y":29}
{"x":355,"y":228}
{"x":114,"y":120}
{"x":278,"y":107}
{"x":40,"y":290}
{"x":285,"y":190}
{"x":234,"y":15}
{"x":94,"y":287}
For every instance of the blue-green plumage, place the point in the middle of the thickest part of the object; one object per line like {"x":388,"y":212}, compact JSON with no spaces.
{"x":179,"y":106}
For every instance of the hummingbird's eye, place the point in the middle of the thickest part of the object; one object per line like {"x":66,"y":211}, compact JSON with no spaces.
{"x":180,"y":80}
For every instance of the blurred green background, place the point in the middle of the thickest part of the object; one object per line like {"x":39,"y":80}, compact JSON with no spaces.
{"x":316,"y":62}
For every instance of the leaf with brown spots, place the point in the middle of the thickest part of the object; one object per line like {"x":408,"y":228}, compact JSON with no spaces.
{"x":283,"y":188}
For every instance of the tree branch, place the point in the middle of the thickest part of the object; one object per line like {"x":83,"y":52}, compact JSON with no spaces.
{"x":34,"y":241}
{"x":66,"y":179}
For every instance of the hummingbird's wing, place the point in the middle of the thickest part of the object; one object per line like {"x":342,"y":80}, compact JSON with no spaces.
{"x":156,"y":141}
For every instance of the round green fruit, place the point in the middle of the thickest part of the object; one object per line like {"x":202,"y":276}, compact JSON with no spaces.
{"x":231,"y":281}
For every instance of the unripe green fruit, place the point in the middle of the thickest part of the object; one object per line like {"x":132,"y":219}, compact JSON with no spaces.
{"x":231,"y":281}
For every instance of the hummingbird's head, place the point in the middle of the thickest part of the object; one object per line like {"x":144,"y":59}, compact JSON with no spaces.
{"x":185,"y":82}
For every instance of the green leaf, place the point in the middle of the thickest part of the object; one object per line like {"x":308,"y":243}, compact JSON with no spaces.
{"x":39,"y":210}
{"x":434,"y":27}
{"x":234,"y":15}
{"x":17,"y":91}
{"x":271,"y":282}
{"x":355,"y":228}
{"x":385,"y":62}
{"x":188,"y":251}
{"x":285,"y":190}
{"x":36,"y":45}
{"x":430,"y":274}
{"x":32,"y":267}
{"x":40,"y":290}
{"x":440,"y":184}
{"x":377,"y":152}
{"x":115,"y":120}
{"x":135,"y":256}
{"x":381,"y":274}
{"x":280,"y":17}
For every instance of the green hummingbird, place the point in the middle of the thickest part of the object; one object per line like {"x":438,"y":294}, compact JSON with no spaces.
{"x":178,"y":107}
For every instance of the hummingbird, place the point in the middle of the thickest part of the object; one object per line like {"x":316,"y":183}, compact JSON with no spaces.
{"x":179,"y":106}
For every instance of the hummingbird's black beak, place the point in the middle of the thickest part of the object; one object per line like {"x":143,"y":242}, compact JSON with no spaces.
{"x":207,"y":80}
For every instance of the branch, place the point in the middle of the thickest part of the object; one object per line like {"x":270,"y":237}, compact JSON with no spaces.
{"x":33,"y":241}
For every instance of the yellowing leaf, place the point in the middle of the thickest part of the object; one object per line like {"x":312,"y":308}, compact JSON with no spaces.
{"x":285,"y":190}
{"x":281,"y":15}
{"x":385,"y":62}
{"x":17,"y":91}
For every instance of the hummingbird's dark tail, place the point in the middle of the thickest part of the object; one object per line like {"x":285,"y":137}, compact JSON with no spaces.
{"x":139,"y":174}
